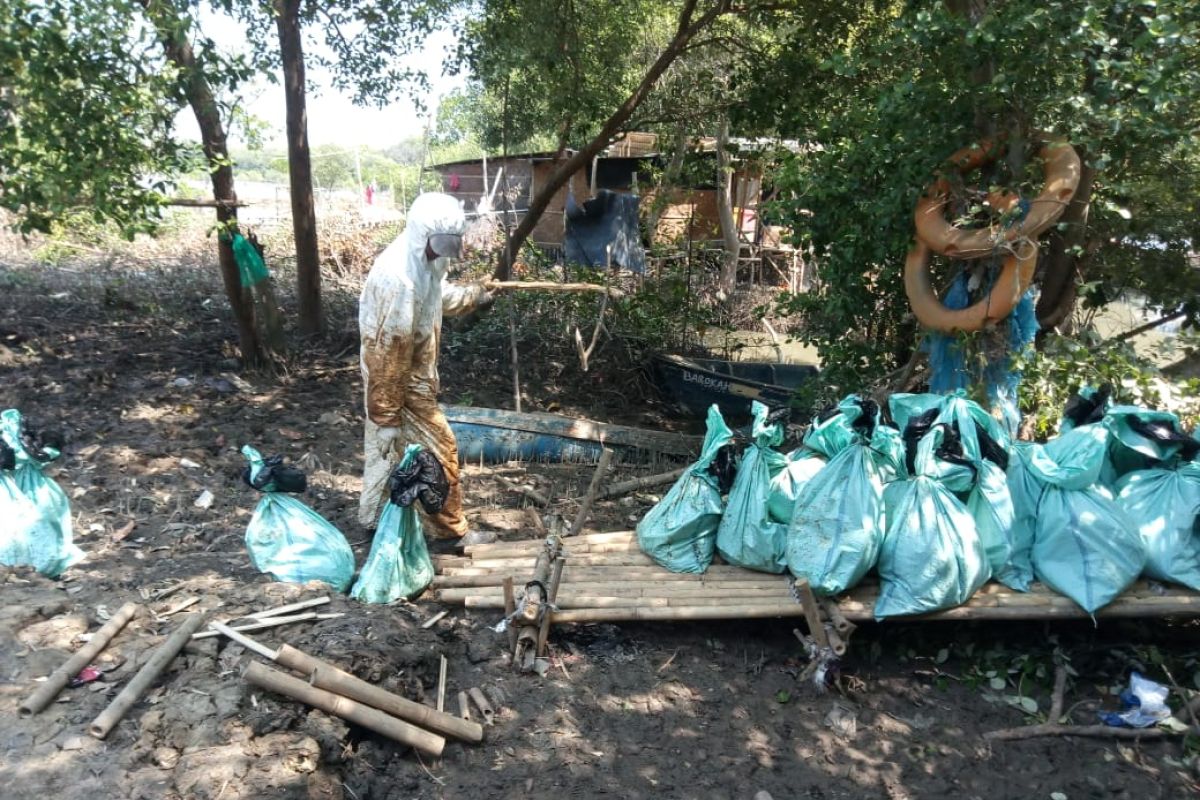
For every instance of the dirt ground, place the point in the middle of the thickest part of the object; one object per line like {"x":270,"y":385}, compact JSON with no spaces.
{"x":135,"y":367}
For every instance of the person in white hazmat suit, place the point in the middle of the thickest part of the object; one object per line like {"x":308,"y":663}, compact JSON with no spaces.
{"x":400,"y":321}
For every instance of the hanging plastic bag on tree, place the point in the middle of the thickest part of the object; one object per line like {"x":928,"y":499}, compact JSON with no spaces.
{"x":680,"y":532}
{"x":36,"y":529}
{"x":835,"y":532}
{"x":747,"y":537}
{"x":399,"y":565}
{"x":932,"y":557}
{"x":287,"y":539}
{"x":1164,"y":504}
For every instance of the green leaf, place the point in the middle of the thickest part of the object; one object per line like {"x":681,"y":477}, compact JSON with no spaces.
{"x":997,"y":683}
{"x":783,"y":696}
{"x":942,"y":656}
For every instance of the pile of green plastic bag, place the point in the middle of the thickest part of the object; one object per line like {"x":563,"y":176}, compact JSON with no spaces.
{"x":398,"y":565}
{"x":287,"y":539}
{"x":680,"y":531}
{"x":36,"y":529}
{"x":747,"y":536}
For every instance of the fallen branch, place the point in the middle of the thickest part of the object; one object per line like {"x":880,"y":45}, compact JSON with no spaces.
{"x":270,"y":622}
{"x":533,"y":495}
{"x":633,"y":485}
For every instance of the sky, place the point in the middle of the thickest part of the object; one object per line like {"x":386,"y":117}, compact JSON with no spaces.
{"x":332,"y":118}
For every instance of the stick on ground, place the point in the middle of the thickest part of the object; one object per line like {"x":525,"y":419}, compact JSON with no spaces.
{"x":593,"y":489}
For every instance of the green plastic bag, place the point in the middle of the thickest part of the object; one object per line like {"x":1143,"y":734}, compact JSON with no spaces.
{"x":990,"y":505}
{"x":1164,"y":504}
{"x":251,"y":267}
{"x":802,"y":466}
{"x":834,"y":537}
{"x":291,"y":542}
{"x":398,"y":564}
{"x":931,"y":557}
{"x":747,"y":537}
{"x":1085,"y":546}
{"x":37,"y":529}
{"x":680,"y":532}
{"x":1134,"y":444}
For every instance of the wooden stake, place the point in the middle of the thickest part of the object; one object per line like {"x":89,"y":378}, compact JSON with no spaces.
{"x":598,"y":476}
{"x":133,"y":691}
{"x":45,"y":694}
{"x":326,"y":676}
{"x":441,"y":690}
{"x":360,"y":714}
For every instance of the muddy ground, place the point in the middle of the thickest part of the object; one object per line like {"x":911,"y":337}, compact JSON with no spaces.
{"x":135,"y":367}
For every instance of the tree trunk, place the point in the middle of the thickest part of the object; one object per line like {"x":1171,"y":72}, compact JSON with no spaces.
{"x":670,"y":180}
{"x":172,"y":32}
{"x":686,"y":29}
{"x":1061,"y":266}
{"x":304,"y":217}
{"x":729,"y":232}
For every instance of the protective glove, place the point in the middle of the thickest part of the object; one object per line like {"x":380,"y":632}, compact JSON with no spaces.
{"x":422,"y":478}
{"x":386,"y":438}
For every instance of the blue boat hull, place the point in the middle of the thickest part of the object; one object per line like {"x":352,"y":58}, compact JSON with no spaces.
{"x":696,"y":384}
{"x":496,"y":436}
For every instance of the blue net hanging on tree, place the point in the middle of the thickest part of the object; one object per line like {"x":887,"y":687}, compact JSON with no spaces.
{"x":950,"y":359}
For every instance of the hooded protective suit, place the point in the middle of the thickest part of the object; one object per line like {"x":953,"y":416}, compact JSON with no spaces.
{"x":400,"y":322}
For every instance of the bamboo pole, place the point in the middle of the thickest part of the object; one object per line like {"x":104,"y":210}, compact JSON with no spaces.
{"x":326,"y":676}
{"x":493,"y":580}
{"x":551,"y":286}
{"x":593,"y":601}
{"x":575,"y":595}
{"x":585,"y":508}
{"x":618,"y":572}
{"x":360,"y":714}
{"x":45,"y":694}
{"x":245,"y":641}
{"x":133,"y":690}
{"x":441,"y":685}
{"x":529,"y":621}
{"x":631,"y":559}
{"x":758,"y":611}
{"x":555,"y":582}
{"x":510,"y":608}
{"x":632,"y":588}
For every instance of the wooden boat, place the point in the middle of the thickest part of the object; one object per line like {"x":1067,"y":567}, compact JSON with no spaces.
{"x":697,"y":383}
{"x":495,"y":435}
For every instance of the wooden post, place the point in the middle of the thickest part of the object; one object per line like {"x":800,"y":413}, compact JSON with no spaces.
{"x":816,"y":629}
{"x":54,"y":684}
{"x":510,"y":606}
{"x":133,"y":691}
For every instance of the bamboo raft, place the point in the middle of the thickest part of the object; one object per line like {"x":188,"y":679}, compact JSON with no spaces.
{"x":606,"y":578}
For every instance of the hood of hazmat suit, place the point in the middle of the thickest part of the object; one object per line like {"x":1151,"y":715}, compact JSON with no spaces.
{"x":400,"y":315}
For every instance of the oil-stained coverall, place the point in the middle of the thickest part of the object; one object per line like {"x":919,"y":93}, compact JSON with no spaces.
{"x":400,"y":322}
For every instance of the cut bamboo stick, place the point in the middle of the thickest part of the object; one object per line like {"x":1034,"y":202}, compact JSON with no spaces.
{"x":326,"y":676}
{"x":441,"y":688}
{"x":633,"y":485}
{"x":555,"y":584}
{"x":763,"y":611}
{"x":270,"y":622}
{"x":510,"y":608}
{"x":619,"y":572}
{"x":244,"y":641}
{"x":812,"y":614}
{"x":630,"y":589}
{"x":359,"y":713}
{"x":630,"y":559}
{"x":45,"y":694}
{"x":592,"y":601}
{"x":464,"y":706}
{"x":289,"y":608}
{"x":133,"y":691}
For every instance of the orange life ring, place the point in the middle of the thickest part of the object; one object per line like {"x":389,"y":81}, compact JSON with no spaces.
{"x":1061,"y":170}
{"x":1014,"y":278}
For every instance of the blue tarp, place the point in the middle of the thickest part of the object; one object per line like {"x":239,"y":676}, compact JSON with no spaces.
{"x":608,"y":220}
